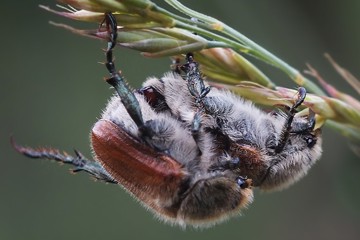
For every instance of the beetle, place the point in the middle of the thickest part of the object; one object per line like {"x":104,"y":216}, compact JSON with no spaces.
{"x":188,"y":152}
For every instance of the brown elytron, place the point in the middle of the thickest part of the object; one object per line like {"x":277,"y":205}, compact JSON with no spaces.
{"x":148,"y":174}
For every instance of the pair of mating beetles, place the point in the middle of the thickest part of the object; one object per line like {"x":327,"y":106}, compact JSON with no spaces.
{"x":189,"y":153}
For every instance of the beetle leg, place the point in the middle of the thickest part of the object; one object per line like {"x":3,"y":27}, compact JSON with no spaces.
{"x":197,"y":89}
{"x":118,"y":82}
{"x":284,"y":135}
{"x":79,"y":161}
{"x":194,"y":80}
{"x":305,"y":127}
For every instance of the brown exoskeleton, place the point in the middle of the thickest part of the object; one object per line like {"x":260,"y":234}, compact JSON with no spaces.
{"x":189,"y":153}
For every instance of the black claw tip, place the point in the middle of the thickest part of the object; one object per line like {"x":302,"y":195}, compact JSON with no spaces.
{"x":243,"y":182}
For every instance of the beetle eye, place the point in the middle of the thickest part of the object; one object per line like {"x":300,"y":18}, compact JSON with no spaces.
{"x":310,"y":141}
{"x":153,"y":97}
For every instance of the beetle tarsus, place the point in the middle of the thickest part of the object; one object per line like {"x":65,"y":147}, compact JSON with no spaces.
{"x":284,"y":136}
{"x":194,"y":80}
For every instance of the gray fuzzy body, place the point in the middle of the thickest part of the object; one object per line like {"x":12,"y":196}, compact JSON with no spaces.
{"x":236,"y":139}
{"x":244,"y":123}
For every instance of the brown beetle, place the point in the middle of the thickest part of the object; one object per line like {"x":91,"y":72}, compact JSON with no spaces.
{"x":189,"y":153}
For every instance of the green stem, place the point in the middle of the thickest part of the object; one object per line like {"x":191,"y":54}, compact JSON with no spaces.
{"x":230,"y":43}
{"x":187,"y":24}
{"x":201,"y":29}
{"x":277,"y":62}
{"x":347,"y":131}
{"x":255,"y":49}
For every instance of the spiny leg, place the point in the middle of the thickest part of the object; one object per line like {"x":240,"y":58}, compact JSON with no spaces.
{"x":197,"y":89}
{"x":305,"y":127}
{"x":194,"y":80}
{"x":79,"y":161}
{"x":118,"y":82}
{"x":284,"y":135}
{"x":311,"y":121}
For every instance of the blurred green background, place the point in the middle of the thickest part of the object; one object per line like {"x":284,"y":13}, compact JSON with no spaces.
{"x":52,"y":92}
